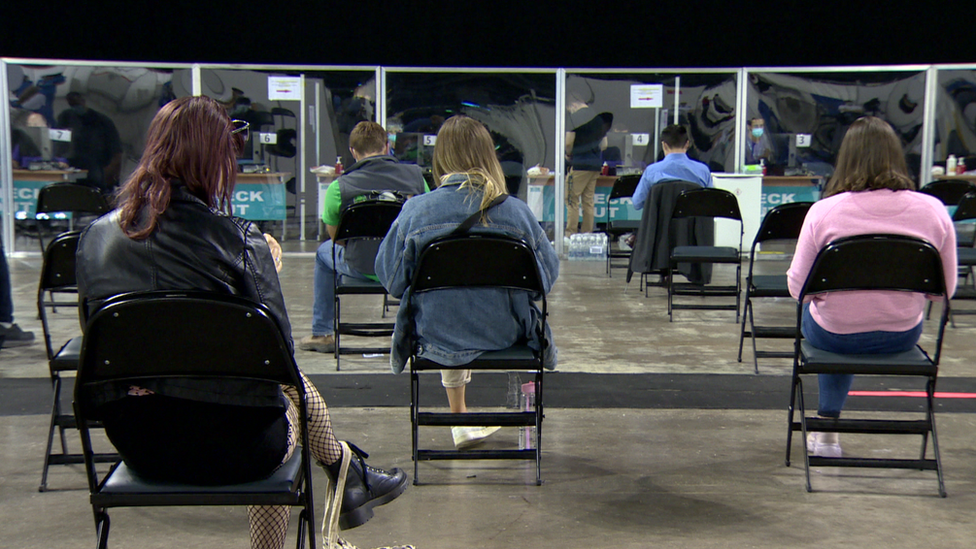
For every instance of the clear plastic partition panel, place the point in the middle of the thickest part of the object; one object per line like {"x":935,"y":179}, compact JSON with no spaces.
{"x":955,"y":122}
{"x":804,"y":116}
{"x":518,"y":108}
{"x":336,"y":101}
{"x":614,"y":121}
{"x":270,"y":102}
{"x":74,"y":122}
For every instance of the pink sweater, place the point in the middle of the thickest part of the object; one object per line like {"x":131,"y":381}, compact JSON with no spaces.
{"x":872,"y":212}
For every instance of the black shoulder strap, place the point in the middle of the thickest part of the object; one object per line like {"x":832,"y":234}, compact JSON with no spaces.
{"x":470,"y":221}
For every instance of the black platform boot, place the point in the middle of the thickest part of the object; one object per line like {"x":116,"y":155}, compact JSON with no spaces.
{"x":366,"y":487}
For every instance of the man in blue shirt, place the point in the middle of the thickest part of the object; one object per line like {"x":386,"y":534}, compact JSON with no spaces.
{"x":676,"y":166}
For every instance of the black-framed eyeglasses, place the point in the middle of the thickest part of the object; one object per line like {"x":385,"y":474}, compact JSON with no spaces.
{"x":241,"y":130}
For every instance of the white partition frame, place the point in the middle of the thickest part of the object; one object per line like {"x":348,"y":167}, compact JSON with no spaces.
{"x":928,"y":130}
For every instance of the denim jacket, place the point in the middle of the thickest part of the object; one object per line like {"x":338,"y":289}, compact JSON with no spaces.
{"x":454,"y":327}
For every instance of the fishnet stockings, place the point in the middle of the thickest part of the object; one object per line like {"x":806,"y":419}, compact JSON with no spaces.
{"x":268,"y":524}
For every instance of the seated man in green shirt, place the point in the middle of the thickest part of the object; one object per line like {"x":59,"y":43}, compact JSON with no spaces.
{"x":374,"y":170}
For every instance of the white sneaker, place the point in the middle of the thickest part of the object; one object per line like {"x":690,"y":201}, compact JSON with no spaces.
{"x":465,"y":437}
{"x":821,"y":449}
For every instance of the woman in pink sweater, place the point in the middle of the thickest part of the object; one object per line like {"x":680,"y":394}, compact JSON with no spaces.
{"x":869,"y":193}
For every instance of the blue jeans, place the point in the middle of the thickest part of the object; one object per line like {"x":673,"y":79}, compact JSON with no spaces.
{"x":834,"y":387}
{"x":323,"y":286}
{"x":6,"y":298}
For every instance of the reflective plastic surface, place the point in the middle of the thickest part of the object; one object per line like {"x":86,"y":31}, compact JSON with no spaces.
{"x":955,"y":118}
{"x":517,"y":108}
{"x":77,"y":123}
{"x":807,"y":114}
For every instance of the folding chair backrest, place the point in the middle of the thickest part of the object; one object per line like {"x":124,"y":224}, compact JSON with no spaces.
{"x":949,"y":191}
{"x":71,"y":197}
{"x":876,"y":262}
{"x":477,"y":260}
{"x":783,"y":222}
{"x":624,"y":186}
{"x":706,"y":202}
{"x":58,"y":268}
{"x":368,"y":219}
{"x":967,"y":207}
{"x":182,"y":335}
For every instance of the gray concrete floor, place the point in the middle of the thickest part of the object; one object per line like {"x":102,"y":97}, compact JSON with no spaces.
{"x":614,"y":477}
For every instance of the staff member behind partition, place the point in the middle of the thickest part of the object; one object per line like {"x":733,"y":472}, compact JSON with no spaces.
{"x":869,"y":193}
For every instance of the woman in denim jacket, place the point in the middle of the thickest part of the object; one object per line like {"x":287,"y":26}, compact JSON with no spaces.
{"x":454,"y":327}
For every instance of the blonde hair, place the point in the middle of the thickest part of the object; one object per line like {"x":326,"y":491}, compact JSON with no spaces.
{"x":870,"y":157}
{"x":464,"y":147}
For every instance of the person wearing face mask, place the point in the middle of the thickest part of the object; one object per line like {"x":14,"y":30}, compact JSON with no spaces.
{"x":95,"y":145}
{"x":758,"y":146}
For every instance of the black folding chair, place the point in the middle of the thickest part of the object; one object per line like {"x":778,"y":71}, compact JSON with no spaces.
{"x":57,"y":288}
{"x":966,"y":255}
{"x":949,"y":191}
{"x":480,"y":261}
{"x":871,"y":262}
{"x":706,"y":202}
{"x":780,"y":223}
{"x":183,"y":337}
{"x":623,"y":187}
{"x":69,"y":198}
{"x":365,"y":221}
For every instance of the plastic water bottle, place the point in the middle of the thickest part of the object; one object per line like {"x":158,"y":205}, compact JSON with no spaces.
{"x":514,"y":397}
{"x":951,"y":165}
{"x":527,"y":433}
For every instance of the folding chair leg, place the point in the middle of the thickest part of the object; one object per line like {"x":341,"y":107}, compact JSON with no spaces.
{"x":742,"y":332}
{"x":414,"y":426}
{"x":102,"y":524}
{"x":930,"y":398}
{"x":803,"y":434}
{"x":302,"y":525}
{"x":791,"y":414}
{"x":55,"y":412}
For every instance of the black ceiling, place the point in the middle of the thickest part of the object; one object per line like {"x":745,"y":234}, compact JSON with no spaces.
{"x":525,"y":34}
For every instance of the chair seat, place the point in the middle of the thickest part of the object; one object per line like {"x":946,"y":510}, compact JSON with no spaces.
{"x":769,"y":286}
{"x":123,"y":480}
{"x":913,"y":362}
{"x":348,"y":284}
{"x":66,"y":359}
{"x":515,"y":357}
{"x":710,"y":254}
{"x":623,"y":226}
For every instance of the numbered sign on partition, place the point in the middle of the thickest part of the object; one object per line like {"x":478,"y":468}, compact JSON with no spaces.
{"x":641,"y":139}
{"x":268,"y":138}
{"x":804,"y":140}
{"x":430,"y":140}
{"x":60,"y":135}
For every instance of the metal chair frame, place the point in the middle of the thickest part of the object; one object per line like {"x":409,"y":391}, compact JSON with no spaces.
{"x":780,"y":223}
{"x":249,"y":347}
{"x":706,"y":202}
{"x":479,"y":260}
{"x":871,"y":262}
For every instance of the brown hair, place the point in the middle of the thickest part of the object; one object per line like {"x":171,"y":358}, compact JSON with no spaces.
{"x":189,"y":140}
{"x":871,"y":157}
{"x":368,"y":137}
{"x":465,"y":147}
{"x":675,"y":136}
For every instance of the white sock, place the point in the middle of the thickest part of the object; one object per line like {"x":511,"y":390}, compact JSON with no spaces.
{"x":6,"y":324}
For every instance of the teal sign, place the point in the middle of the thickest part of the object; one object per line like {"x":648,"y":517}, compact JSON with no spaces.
{"x":619,"y":209}
{"x":25,"y":199}
{"x":774,"y":196}
{"x":259,"y":201}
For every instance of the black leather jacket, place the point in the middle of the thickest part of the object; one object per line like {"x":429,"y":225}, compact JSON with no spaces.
{"x":192,"y":248}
